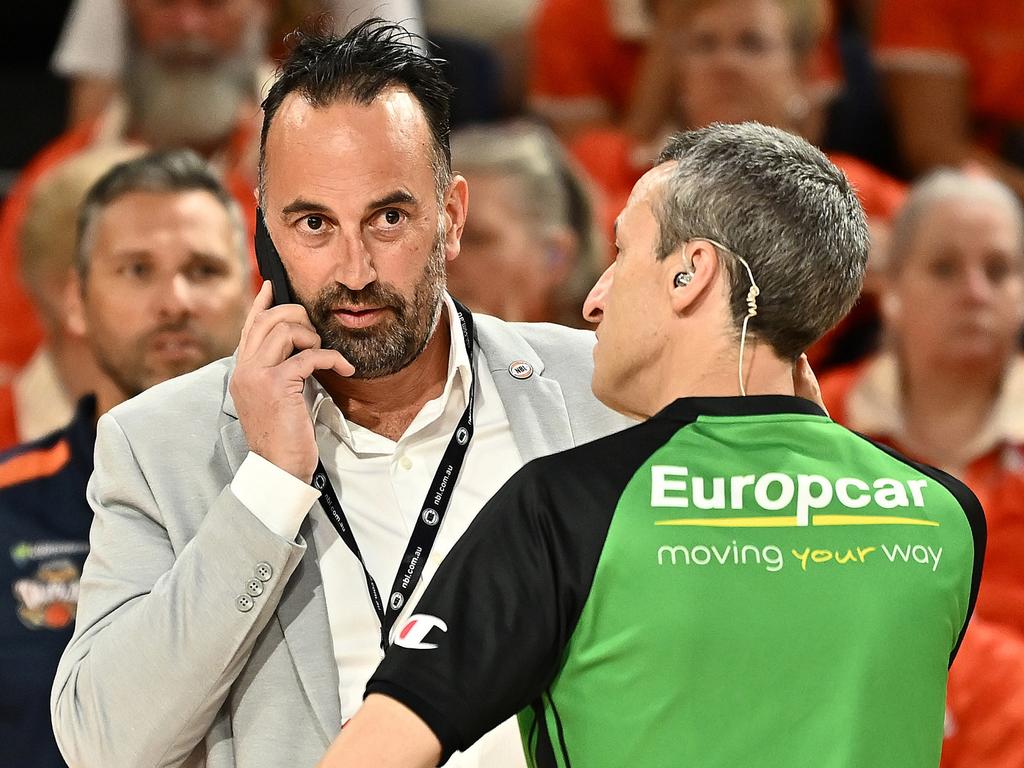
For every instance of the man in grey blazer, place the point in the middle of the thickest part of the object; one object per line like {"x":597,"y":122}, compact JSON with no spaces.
{"x":237,"y":590}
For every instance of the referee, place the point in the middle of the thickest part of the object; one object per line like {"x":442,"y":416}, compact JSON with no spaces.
{"x":738,"y":580}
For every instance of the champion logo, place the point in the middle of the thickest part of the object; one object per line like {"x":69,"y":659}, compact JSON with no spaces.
{"x":416,"y":629}
{"x":397,"y":601}
{"x":462,"y":436}
{"x":430,"y":516}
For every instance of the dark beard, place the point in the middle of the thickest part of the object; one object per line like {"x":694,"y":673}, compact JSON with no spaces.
{"x":394,"y":342}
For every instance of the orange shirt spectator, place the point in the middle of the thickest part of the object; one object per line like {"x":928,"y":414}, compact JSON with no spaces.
{"x":982,"y":38}
{"x":585,"y":56}
{"x":952,"y":69}
{"x":866,"y":397}
{"x":985,"y":700}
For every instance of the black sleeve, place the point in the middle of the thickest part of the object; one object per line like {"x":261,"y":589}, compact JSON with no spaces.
{"x":487,"y":637}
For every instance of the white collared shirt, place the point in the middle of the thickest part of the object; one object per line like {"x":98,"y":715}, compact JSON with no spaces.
{"x":382,"y":485}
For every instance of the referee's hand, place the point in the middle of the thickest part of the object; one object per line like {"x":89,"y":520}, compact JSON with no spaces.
{"x":805,"y":383}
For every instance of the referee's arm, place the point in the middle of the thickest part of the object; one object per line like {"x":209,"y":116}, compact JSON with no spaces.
{"x":387,"y":734}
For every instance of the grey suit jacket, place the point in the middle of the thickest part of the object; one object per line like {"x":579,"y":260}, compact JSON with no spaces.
{"x":163,"y":668}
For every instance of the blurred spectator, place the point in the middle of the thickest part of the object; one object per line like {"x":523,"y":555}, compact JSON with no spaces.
{"x":985,"y":701}
{"x":736,"y":60}
{"x":41,"y":397}
{"x":949,"y":387}
{"x":501,"y":33}
{"x":530,"y":250}
{"x":193,"y":79}
{"x":162,"y":289}
{"x":91,"y":54}
{"x":948,"y":390}
{"x":92,"y":51}
{"x":953,"y":71}
{"x":585,"y":55}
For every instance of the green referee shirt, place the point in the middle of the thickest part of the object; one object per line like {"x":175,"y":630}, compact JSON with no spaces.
{"x":735,"y":582}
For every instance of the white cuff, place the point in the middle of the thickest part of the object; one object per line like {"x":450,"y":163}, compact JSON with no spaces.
{"x":278,"y":499}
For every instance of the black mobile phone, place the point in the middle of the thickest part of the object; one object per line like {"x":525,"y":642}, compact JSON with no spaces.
{"x":269,"y":263}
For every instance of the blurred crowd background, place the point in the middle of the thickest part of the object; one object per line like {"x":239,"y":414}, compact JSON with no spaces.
{"x":560,"y":106}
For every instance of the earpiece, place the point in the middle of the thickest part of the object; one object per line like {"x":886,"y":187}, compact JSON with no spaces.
{"x":682,"y":279}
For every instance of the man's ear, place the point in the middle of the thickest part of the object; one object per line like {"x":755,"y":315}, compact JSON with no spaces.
{"x":74,"y":305}
{"x":456,"y":206}
{"x":698,"y":260}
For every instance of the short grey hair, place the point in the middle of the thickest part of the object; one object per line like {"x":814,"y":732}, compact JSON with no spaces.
{"x":177,"y":170}
{"x":554,"y":192}
{"x":779,"y":203}
{"x":941,"y":186}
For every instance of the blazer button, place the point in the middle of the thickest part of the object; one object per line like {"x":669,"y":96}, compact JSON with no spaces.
{"x":244,"y":603}
{"x":254,"y":587}
{"x":264,"y":571}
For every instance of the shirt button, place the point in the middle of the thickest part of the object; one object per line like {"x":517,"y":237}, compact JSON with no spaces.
{"x":405,"y":462}
{"x":244,"y":603}
{"x":264,"y":571}
{"x":254,"y":587}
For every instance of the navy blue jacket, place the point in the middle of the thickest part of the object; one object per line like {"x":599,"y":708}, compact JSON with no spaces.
{"x":44,"y":538}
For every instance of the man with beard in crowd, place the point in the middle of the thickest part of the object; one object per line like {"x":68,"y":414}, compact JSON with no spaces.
{"x":193,"y":80}
{"x":263,"y":523}
{"x":162,"y":288}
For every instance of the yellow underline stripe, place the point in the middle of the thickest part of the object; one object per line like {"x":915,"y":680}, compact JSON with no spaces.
{"x":790,"y":522}
{"x":870,"y":520}
{"x":737,"y":522}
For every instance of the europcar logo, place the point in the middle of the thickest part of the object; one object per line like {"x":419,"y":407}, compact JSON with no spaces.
{"x":674,"y":486}
{"x":416,"y":629}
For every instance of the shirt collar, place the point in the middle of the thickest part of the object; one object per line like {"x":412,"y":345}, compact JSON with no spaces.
{"x":459,"y":379}
{"x":875,"y":407}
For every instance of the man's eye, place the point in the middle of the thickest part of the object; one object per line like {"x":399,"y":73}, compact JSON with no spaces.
{"x":314,"y":223}
{"x":136,"y":269}
{"x":392,"y":217}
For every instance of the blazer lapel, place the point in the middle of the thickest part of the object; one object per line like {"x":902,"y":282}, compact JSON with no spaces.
{"x":534,"y":404}
{"x":302,"y":612}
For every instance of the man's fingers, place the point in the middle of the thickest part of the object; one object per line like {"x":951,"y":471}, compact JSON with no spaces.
{"x":282,"y":341}
{"x":805,"y":383}
{"x":263,"y":301}
{"x":307,"y":362}
{"x":265,"y":322}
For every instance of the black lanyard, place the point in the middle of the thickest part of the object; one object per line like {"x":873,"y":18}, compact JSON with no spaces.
{"x":431,"y":513}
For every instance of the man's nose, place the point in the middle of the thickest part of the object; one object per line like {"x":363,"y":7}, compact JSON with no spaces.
{"x":977,"y":285}
{"x":354,"y":268}
{"x":593,"y":307}
{"x":190,"y":19}
{"x":176,"y":298}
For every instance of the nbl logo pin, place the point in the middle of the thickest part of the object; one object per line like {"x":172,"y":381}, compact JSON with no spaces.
{"x":462,"y":436}
{"x":520,"y":369}
{"x":397,"y":601}
{"x":319,"y":481}
{"x":430,"y":516}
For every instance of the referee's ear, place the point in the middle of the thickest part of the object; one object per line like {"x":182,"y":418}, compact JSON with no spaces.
{"x":697,"y":259}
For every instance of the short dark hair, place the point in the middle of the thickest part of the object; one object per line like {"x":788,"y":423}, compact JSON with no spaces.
{"x":774,"y":200}
{"x":175,"y":170}
{"x":371,"y":57}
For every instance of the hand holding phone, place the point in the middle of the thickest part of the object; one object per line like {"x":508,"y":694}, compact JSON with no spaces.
{"x":279,"y":349}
